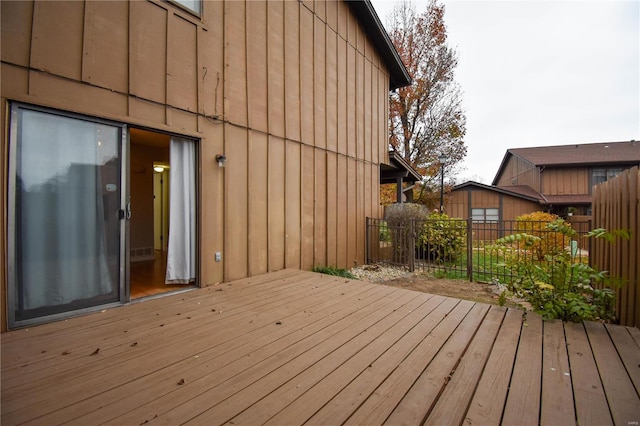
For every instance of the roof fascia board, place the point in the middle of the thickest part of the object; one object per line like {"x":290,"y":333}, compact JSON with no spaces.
{"x":365,"y":12}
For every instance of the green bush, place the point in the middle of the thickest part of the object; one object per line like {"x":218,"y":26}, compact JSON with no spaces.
{"x":442,"y":239}
{"x":562,"y":286}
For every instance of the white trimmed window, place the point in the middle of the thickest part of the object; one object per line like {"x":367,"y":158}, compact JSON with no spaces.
{"x":485,"y":215}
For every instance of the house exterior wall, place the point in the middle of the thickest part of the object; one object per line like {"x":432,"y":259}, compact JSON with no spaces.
{"x":292,"y":92}
{"x":461,"y":201}
{"x":518,"y":171}
{"x":565,"y":181}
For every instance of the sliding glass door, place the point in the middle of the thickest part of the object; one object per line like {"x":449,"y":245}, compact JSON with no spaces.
{"x":65,"y":214}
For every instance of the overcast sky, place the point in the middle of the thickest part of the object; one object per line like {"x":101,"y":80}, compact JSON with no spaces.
{"x":536,"y":73}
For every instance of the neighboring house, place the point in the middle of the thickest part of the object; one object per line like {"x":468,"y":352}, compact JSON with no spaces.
{"x":557,"y":179}
{"x":226,"y":138}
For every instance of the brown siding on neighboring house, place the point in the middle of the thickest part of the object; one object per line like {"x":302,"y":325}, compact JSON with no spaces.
{"x":461,"y":201}
{"x":565,"y":181}
{"x":518,"y":171}
{"x":293,"y":93}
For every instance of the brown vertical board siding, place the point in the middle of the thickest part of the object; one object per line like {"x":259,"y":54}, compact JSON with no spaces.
{"x":257,"y":238}
{"x":15,"y":31}
{"x":376,"y":138}
{"x":615,"y":206}
{"x":332,"y":90}
{"x":634,"y":246}
{"x":383,"y":113}
{"x":292,"y":69}
{"x":293,"y":204}
{"x":183,"y":120}
{"x":319,"y":83}
{"x":148,"y":51}
{"x":146,"y":111}
{"x":211,"y":63}
{"x":309,"y":4}
{"x":211,"y":200}
{"x":351,"y":101}
{"x":106,"y":45}
{"x":321,"y":9}
{"x":235,"y":74}
{"x":352,"y":201}
{"x":306,"y":76}
{"x":236,"y":203}
{"x":368,"y":193}
{"x":77,"y":97}
{"x":182,"y":63}
{"x":15,"y":81}
{"x":257,"y":65}
{"x":360,"y":87}
{"x":332,"y":14}
{"x":332,"y":208}
{"x":343,"y":19}
{"x":320,"y":210}
{"x":56,"y":43}
{"x":276,"y":67}
{"x":360,"y":212}
{"x":308,"y":206}
{"x":368,"y":142}
{"x":342,"y":96}
{"x":342,"y":202}
{"x":565,"y":181}
{"x":276,"y":207}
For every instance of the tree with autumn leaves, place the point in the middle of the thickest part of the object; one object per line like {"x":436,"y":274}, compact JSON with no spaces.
{"x":426,"y":119}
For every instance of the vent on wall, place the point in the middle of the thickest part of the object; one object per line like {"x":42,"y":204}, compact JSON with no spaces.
{"x":142,"y":253}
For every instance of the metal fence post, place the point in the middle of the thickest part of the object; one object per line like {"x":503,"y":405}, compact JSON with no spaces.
{"x":412,"y":246}
{"x":470,"y":249}
{"x":367,"y":240}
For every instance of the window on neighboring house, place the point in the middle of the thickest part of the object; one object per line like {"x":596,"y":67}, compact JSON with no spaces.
{"x":485,"y":215}
{"x":600,"y":175}
{"x":193,"y":5}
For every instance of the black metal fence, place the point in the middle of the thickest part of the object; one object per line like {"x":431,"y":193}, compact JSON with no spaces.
{"x":462,"y":248}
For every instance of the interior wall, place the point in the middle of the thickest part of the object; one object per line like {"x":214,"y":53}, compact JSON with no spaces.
{"x":141,"y":189}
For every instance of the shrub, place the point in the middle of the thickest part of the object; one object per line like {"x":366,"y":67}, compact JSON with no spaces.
{"x":399,"y":218}
{"x":442,"y":239}
{"x":548,"y":242}
{"x":561,"y":287}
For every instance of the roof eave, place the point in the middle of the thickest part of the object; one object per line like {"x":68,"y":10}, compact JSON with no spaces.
{"x":398,"y":74}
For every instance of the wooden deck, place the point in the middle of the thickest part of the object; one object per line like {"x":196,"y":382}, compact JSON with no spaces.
{"x":296,"y":347}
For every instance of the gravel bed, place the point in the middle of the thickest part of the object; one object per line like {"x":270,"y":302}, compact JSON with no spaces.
{"x":378,"y":273}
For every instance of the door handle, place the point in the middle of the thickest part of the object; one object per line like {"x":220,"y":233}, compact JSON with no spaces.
{"x":128,"y":213}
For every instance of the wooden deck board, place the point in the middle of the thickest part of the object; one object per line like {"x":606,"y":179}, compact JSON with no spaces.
{"x":588,"y":393}
{"x":488,"y":401}
{"x":621,"y":395}
{"x":557,"y":399}
{"x":295,"y":347}
{"x":523,"y":399}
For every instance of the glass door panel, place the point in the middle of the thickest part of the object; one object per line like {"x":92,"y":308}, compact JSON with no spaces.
{"x":66,"y":189}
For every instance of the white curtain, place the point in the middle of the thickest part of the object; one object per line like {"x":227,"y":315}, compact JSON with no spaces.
{"x":181,"y":256}
{"x":62,"y":211}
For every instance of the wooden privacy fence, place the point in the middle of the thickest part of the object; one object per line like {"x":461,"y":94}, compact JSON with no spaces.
{"x":616,"y":206}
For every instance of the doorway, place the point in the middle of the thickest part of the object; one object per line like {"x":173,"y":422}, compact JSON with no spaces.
{"x":150,"y":192}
